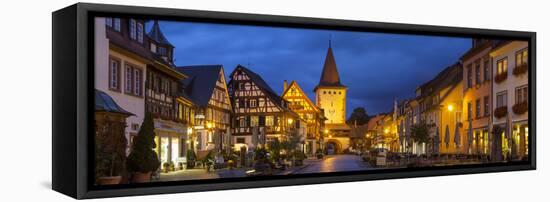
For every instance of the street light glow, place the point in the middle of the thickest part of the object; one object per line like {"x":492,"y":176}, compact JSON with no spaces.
{"x":290,"y":121}
{"x":450,"y":107}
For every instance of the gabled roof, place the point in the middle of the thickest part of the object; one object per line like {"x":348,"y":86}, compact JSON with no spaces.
{"x":156,"y":35}
{"x":104,"y":102}
{"x":451,"y":75}
{"x":295,"y":84}
{"x":201,"y":82}
{"x":259,"y":81}
{"x":330,"y":76}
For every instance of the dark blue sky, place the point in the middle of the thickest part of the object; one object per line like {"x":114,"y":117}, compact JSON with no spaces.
{"x":376,"y":67}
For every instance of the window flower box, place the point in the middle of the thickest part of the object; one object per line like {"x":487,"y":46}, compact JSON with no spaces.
{"x":501,"y":77}
{"x":501,"y":111}
{"x":520,"y":108}
{"x":522,"y":69}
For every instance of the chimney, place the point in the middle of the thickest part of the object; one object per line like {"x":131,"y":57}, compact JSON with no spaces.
{"x":285,"y":85}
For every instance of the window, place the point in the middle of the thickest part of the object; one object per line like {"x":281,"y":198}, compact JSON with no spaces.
{"x":486,"y":105}
{"x":269,"y":121}
{"x":114,"y":74}
{"x":502,"y":66}
{"x":478,"y":108}
{"x":161,"y":50}
{"x":501,"y":99}
{"x":486,"y":70}
{"x":236,"y":103}
{"x":521,"y":58}
{"x":241,"y":140}
{"x":140,"y":32}
{"x":133,"y":29}
{"x":469,"y":110}
{"x":478,"y":73}
{"x":133,"y":80}
{"x":253,"y":103}
{"x":469,"y":76}
{"x":113,"y":23}
{"x":521,"y":94}
{"x":109,"y":22}
{"x":137,"y":82}
{"x":242,"y":122}
{"x":116,"y":24}
{"x":261,"y":102}
{"x":254,"y":121}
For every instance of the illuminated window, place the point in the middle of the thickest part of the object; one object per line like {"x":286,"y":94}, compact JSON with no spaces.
{"x":269,"y":121}
{"x":254,"y":121}
{"x":502,"y":66}
{"x":521,"y":57}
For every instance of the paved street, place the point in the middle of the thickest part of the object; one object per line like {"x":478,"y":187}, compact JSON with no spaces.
{"x":199,"y":174}
{"x":335,"y":163}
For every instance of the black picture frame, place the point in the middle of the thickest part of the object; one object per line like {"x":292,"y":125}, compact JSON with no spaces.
{"x":73,"y":70}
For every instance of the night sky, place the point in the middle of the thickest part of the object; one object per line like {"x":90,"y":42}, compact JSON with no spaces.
{"x":377,"y":68}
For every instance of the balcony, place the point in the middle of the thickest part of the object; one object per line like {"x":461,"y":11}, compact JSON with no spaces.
{"x":501,"y":112}
{"x":519,"y":70}
{"x":520,"y":108}
{"x":499,"y":78}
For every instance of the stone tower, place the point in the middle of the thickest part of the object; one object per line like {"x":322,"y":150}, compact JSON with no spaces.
{"x":330,"y":94}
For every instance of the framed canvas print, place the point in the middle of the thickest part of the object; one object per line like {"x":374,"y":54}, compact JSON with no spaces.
{"x":156,"y":100}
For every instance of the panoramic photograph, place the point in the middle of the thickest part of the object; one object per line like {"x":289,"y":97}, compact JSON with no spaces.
{"x":179,"y":101}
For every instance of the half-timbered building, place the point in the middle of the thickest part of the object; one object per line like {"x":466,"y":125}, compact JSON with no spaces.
{"x":312,"y":115}
{"x":162,"y":92}
{"x":260,"y":114}
{"x":207,"y":89}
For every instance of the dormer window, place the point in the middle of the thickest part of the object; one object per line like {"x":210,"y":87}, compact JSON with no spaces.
{"x":136,"y":30}
{"x":113,"y":23}
{"x":161,"y":51}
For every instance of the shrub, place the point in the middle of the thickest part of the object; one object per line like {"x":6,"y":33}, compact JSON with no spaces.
{"x":142,"y":158}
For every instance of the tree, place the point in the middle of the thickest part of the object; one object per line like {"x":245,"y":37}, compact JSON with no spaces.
{"x":419,"y":132}
{"x":142,"y":158}
{"x":359,"y":116}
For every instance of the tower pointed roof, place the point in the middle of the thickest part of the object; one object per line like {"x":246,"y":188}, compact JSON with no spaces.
{"x":330,"y":76}
{"x":156,"y":35}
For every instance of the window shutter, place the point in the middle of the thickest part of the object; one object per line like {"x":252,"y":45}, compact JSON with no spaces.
{"x":262,"y":120}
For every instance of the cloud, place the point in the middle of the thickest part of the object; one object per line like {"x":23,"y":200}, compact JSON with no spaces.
{"x":376,"y":67}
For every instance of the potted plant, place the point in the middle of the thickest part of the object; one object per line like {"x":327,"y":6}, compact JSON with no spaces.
{"x":142,"y":160}
{"x":521,"y":69}
{"x":501,"y":111}
{"x":191,"y":159}
{"x":520,"y":108}
{"x":110,"y":153}
{"x":166,"y":167}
